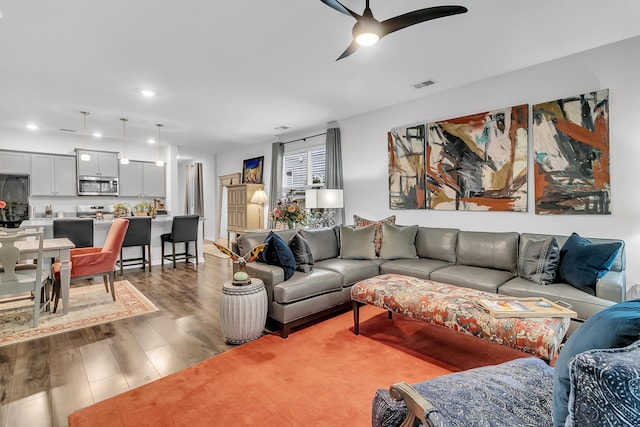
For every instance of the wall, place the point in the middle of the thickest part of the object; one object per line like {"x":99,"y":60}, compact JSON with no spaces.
{"x":614,"y":66}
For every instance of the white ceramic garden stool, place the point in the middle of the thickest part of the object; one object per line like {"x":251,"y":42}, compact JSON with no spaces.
{"x":243,"y":311}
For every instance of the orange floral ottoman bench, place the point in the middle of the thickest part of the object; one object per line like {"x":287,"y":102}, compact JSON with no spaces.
{"x":456,"y":308}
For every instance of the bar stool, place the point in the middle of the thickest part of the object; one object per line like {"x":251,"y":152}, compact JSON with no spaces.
{"x":184,"y":229}
{"x":138,"y":234}
{"x":78,"y":230}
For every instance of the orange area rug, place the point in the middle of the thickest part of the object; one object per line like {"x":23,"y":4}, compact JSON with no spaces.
{"x":323,"y":375}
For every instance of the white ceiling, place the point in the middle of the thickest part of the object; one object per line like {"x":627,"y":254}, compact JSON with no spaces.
{"x":228,"y":73}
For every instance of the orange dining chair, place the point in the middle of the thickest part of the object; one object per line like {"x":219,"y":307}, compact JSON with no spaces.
{"x":87,"y":263}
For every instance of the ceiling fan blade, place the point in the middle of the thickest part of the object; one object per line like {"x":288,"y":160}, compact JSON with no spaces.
{"x":351,"y":49}
{"x":417,"y":16}
{"x":335,"y":4}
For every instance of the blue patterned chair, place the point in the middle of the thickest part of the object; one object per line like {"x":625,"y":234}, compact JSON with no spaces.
{"x":605,"y":390}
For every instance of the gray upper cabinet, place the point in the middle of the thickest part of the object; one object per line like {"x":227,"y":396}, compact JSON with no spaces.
{"x":53,"y":175}
{"x":100,"y":163}
{"x":153,"y":180}
{"x":15,"y":162}
{"x":142,"y":179}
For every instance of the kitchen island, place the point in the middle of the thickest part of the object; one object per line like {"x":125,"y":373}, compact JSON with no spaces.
{"x":159,"y":225}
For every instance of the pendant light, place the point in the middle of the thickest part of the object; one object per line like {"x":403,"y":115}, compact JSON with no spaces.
{"x":85,"y":157}
{"x":159,"y":162}
{"x":124,"y":160}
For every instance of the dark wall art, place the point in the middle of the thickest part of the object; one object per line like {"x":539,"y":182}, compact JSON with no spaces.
{"x":571,"y":144}
{"x":252,"y":170}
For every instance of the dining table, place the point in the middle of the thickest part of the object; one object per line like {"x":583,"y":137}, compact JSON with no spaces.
{"x":52,"y":248}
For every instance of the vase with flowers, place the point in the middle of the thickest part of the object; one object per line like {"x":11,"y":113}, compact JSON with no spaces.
{"x":289,"y":212}
{"x":3,"y":205}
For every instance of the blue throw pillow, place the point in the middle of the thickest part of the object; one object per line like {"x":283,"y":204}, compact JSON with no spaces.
{"x":614,"y":327}
{"x":582,"y":263}
{"x":278,"y":253}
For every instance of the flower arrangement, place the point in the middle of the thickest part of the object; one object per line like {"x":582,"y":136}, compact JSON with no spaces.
{"x":3,"y":204}
{"x":289,"y":211}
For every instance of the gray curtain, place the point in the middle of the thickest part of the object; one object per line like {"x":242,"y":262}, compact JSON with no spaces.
{"x":333,"y":166}
{"x":194,"y":199}
{"x":275,"y":189}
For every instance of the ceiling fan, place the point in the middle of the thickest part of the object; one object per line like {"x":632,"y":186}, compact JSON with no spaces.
{"x":368,"y":30}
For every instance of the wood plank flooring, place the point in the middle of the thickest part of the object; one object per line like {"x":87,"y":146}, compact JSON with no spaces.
{"x":44,"y":380}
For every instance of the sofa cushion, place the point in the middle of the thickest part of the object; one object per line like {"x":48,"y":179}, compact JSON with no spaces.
{"x":302,"y":253}
{"x":278,"y":253}
{"x":604,"y":387}
{"x":248,"y":241}
{"x":306,"y":285}
{"x":584,"y":304}
{"x":582,"y":262}
{"x":539,"y":260}
{"x":323,"y":243}
{"x":437,"y":243}
{"x":479,"y":278}
{"x":352,"y":270}
{"x":418,"y":267}
{"x":398,"y":241}
{"x":357,"y":243}
{"x":363,"y":222}
{"x":614,"y":327}
{"x":497,"y":251}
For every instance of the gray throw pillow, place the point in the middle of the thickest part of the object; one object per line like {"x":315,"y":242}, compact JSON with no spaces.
{"x":398,"y":241}
{"x":302,"y":253}
{"x":357,"y":243}
{"x":323,"y":243}
{"x":539,"y":260}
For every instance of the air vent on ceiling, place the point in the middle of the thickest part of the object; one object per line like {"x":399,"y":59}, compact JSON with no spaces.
{"x":424,"y":84}
{"x":67,"y":130}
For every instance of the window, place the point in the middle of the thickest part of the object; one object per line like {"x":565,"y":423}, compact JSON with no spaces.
{"x":302,"y":169}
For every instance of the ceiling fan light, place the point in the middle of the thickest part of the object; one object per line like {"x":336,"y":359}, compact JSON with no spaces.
{"x":367,"y":31}
{"x":367,"y":39}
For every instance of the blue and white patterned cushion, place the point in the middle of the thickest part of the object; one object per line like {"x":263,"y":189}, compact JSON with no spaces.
{"x":514,"y":393}
{"x":605,"y":387}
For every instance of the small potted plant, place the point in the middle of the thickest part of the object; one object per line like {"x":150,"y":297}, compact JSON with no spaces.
{"x":120,"y":210}
{"x":142,"y":208}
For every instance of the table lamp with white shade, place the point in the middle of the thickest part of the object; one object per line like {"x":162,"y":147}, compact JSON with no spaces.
{"x":326,"y":200}
{"x":260,"y":198}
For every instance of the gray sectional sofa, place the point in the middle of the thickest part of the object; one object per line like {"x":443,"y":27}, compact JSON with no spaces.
{"x":486,"y":261}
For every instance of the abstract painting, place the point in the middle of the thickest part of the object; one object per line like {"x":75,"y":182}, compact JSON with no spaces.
{"x":406,"y":147}
{"x":478,"y":162}
{"x":571,"y":144}
{"x":252,"y":170}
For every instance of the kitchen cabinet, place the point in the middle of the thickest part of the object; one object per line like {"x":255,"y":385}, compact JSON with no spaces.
{"x":15,"y":162}
{"x":142,"y":179}
{"x":243,"y":215}
{"x":100,"y":163}
{"x":53,"y":175}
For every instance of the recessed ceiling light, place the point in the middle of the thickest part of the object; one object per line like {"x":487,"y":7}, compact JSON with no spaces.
{"x":151,"y":141}
{"x":97,"y":135}
{"x":147,"y":93}
{"x":32,"y":126}
{"x":282,"y":128}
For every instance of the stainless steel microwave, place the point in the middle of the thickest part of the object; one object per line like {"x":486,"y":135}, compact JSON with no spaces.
{"x":97,"y":186}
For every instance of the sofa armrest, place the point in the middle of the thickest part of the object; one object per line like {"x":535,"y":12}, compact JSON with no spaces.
{"x":271,"y":275}
{"x":416,"y":404}
{"x":612,"y":286}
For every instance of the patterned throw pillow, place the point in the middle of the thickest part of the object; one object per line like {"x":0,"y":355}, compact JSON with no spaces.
{"x":362,"y":222}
